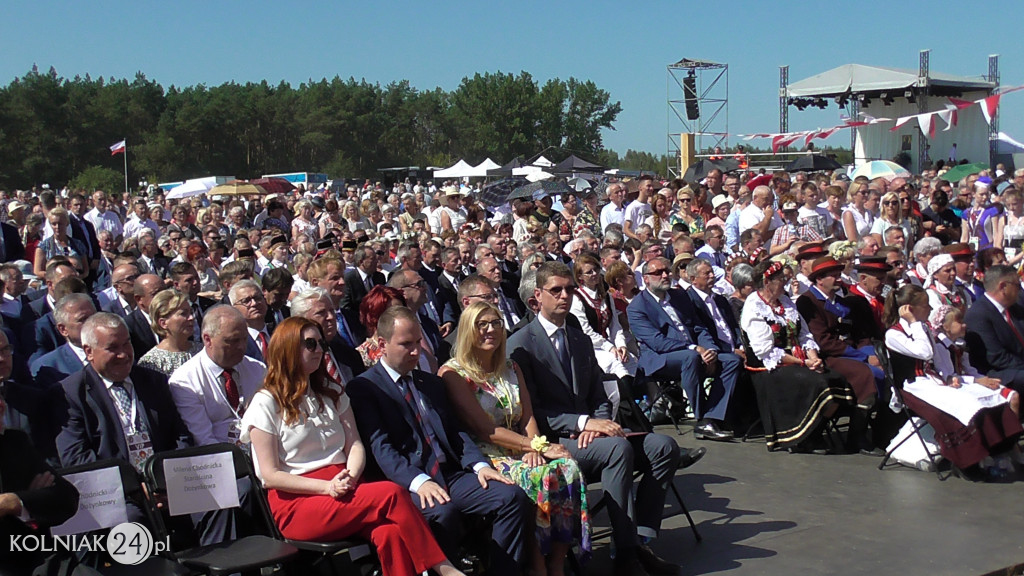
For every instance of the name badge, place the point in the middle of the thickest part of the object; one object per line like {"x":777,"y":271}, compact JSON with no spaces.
{"x":140,"y":448}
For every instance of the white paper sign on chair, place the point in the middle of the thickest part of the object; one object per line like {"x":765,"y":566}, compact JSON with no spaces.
{"x":200,"y":483}
{"x":101,"y":502}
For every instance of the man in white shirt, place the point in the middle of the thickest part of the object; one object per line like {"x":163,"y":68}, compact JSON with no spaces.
{"x":103,"y":219}
{"x":210,"y":392}
{"x":133,"y":227}
{"x":760,"y":214}
{"x":614,"y":212}
{"x":638,"y":210}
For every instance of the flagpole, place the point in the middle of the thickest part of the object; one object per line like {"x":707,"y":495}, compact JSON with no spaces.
{"x":125,"y":153}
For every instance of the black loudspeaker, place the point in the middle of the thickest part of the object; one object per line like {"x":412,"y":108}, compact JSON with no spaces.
{"x":690,"y":96}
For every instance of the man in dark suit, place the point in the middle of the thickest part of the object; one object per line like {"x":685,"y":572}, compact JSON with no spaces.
{"x":405,"y":420}
{"x":122,"y":280}
{"x":570,"y":404}
{"x":674,"y":342}
{"x":361,"y":279}
{"x":315,"y":304}
{"x":414,"y":288}
{"x":115,"y":410}
{"x":450,"y":278}
{"x":277,"y":286}
{"x":47,"y":337}
{"x":995,"y":330}
{"x":11,"y":248}
{"x":185,"y":279}
{"x":71,"y":313}
{"x":247,"y":298}
{"x":142,"y":336}
{"x":151,"y":261}
{"x":57,"y":269}
{"x":512,"y":310}
{"x":84,"y":231}
{"x":33,"y":496}
{"x":329,"y":274}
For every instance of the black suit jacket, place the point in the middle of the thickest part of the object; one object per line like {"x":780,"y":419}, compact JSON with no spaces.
{"x":271,"y":318}
{"x":347,"y":356}
{"x":84,"y":231}
{"x":355,"y":290}
{"x":50,"y":506}
{"x":11,"y":248}
{"x":990,"y":341}
{"x":448,"y":294}
{"x":559,"y":399}
{"x":388,"y":425}
{"x":143,"y":338}
{"x":725,"y":309}
{"x":92,"y":429}
{"x":45,"y":336}
{"x":40,"y":306}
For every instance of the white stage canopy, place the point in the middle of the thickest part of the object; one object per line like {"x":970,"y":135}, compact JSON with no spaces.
{"x":856,"y":78}
{"x":460,"y":169}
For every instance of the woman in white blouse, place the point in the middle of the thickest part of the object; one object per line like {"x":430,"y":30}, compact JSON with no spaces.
{"x":599,"y":320}
{"x":308,"y":454}
{"x":974,"y":417}
{"x":857,"y":217}
{"x":796,"y":393}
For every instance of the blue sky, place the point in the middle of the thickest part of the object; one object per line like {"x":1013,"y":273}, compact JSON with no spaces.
{"x":624,"y":47}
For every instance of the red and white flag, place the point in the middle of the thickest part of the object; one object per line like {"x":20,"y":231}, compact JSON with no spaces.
{"x":117,"y":148}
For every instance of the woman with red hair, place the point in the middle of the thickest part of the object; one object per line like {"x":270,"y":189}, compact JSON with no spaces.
{"x":371,"y":308}
{"x":309,"y":457}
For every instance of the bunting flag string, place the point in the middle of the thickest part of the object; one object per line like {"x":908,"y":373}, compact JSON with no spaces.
{"x":926,"y":121}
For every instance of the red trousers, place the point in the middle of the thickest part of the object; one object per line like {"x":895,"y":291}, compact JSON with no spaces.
{"x":381,"y":512}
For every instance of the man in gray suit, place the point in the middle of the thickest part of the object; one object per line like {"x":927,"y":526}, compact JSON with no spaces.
{"x":569,"y":401}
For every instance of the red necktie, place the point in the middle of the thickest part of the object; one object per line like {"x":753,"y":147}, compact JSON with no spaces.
{"x":263,"y":344}
{"x":230,"y":390}
{"x":1013,"y":327}
{"x":332,"y":369}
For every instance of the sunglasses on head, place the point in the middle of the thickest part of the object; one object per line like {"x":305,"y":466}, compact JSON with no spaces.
{"x":311,"y":344}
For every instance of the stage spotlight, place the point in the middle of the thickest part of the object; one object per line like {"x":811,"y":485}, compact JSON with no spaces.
{"x":820,"y":103}
{"x":886,"y":99}
{"x":909,"y":95}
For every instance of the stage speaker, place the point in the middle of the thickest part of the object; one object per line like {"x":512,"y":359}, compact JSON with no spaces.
{"x":690,"y":97}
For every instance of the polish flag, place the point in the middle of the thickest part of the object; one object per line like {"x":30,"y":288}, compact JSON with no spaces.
{"x":117,"y":148}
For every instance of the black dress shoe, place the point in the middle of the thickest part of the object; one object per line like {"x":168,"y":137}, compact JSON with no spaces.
{"x":709,"y":430}
{"x":653,"y":564}
{"x":691,"y":457}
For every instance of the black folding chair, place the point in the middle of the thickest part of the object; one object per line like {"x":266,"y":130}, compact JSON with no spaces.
{"x":244,"y":554}
{"x":159,"y":564}
{"x":916,"y":422}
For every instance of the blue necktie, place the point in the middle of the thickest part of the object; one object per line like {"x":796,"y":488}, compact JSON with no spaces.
{"x":562,"y":348}
{"x":344,"y":332}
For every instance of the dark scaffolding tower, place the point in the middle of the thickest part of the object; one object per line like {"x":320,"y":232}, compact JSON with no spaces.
{"x":710,"y":96}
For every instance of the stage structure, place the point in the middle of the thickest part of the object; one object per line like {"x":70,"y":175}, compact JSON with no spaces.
{"x":891,"y":93}
{"x":698,"y":104}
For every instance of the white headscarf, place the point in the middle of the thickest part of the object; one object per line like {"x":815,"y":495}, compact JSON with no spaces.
{"x":934,"y":265}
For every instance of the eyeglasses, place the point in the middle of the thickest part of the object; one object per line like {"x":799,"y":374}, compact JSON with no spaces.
{"x":559,"y":290}
{"x":904,"y":199}
{"x":311,"y":344}
{"x":591,"y":272}
{"x":890,"y":203}
{"x":686,"y":200}
{"x":661,"y":272}
{"x":897,"y":263}
{"x":483,"y":325}
{"x":249,"y":301}
{"x":128,"y":279}
{"x":418,"y":285}
{"x":486,"y":296}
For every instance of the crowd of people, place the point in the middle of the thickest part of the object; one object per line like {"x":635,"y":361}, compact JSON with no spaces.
{"x":403,"y":360}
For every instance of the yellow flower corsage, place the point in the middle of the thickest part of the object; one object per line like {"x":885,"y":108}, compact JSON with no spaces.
{"x":539,"y":444}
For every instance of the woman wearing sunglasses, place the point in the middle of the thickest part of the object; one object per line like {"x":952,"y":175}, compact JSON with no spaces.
{"x":892,"y":215}
{"x":493,"y":403}
{"x":308,"y":454}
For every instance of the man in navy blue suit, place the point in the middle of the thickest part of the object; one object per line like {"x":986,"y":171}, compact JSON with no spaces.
{"x":11,"y":248}
{"x":403,"y":417}
{"x":71,"y":313}
{"x":115,"y":410}
{"x":995,"y":330}
{"x":673,"y":343}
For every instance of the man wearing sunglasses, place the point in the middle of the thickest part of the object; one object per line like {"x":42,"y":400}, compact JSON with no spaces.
{"x":572,"y":408}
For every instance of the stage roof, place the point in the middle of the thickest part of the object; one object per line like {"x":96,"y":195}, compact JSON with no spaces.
{"x":858,"y":78}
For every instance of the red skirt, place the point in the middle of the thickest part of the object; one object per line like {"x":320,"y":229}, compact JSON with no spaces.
{"x":991,"y":431}
{"x":381,"y":512}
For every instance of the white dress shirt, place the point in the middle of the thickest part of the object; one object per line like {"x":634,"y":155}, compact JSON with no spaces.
{"x":198,"y":391}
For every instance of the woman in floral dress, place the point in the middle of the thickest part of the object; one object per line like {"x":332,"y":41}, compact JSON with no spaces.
{"x":485,"y":387}
{"x":796,"y":393}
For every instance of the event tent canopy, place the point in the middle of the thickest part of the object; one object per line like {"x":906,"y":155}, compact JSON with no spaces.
{"x":858,"y":78}
{"x":575,"y":164}
{"x":459,"y":170}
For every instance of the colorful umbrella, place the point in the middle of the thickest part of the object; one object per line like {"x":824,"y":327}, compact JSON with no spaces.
{"x":238,"y":188}
{"x":274,"y":185}
{"x":881,"y":169}
{"x":958,"y":173}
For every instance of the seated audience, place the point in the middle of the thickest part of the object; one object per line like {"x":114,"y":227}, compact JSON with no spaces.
{"x":172,"y":320}
{"x":995,"y":330}
{"x":379,"y":299}
{"x":315,"y":486}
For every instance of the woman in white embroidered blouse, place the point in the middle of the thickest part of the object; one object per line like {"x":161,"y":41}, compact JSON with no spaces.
{"x":796,"y":394}
{"x":974,"y":417}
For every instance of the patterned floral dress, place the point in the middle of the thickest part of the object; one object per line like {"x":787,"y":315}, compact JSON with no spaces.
{"x":557,"y":488}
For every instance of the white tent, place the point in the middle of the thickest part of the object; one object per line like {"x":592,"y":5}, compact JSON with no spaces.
{"x":856,"y":78}
{"x":905,"y":91}
{"x":460,"y":169}
{"x":483,"y":167}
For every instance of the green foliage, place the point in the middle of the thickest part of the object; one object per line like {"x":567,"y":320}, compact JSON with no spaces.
{"x":53,"y":128}
{"x":98,"y":178}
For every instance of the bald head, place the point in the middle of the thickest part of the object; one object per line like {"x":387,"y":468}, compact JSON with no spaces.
{"x":146,"y":286}
{"x":221,"y":316}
